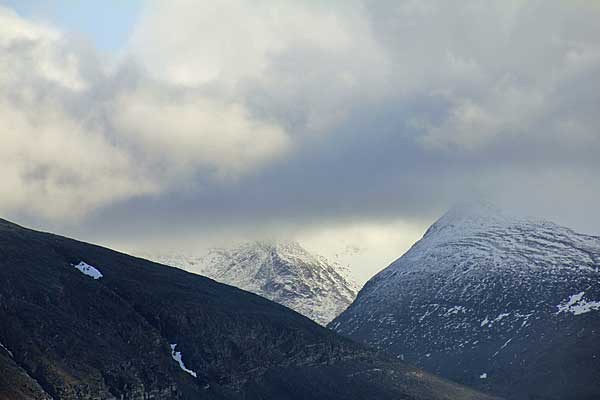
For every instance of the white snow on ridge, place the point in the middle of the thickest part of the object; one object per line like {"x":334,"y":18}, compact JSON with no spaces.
{"x":509,"y":272}
{"x":281,"y":271}
{"x":177,"y":357}
{"x":7,"y":350}
{"x":88,"y":270}
{"x":577,"y":305}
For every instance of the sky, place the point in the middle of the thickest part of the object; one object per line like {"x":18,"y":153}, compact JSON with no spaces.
{"x":342,"y":124}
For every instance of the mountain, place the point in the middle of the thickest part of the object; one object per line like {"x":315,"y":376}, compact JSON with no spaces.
{"x":504,"y":304}
{"x":78,"y":321}
{"x":280,"y":271}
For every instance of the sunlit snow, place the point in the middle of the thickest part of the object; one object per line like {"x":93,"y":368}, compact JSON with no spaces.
{"x":284,"y":272}
{"x":88,"y":270}
{"x":577,"y":305}
{"x":177,"y":357}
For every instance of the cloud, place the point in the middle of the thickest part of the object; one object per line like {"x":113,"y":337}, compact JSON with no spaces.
{"x":54,"y":166}
{"x":189,"y":132}
{"x":232,"y":40}
{"x":38,"y":50}
{"x":297,"y":62}
{"x":228,"y":116}
{"x":79,"y":135}
{"x":55,"y":163}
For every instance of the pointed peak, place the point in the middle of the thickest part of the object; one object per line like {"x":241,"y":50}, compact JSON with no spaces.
{"x":473,"y":209}
{"x":469,"y":215}
{"x":274,"y":245}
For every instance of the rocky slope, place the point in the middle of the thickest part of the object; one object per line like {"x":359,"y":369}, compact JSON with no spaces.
{"x":505,"y":304}
{"x":79,"y":321}
{"x":280,"y":271}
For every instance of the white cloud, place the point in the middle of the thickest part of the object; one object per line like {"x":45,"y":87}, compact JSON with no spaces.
{"x":35,"y":52}
{"x":76,"y":138}
{"x":189,"y":132}
{"x":54,"y":166}
{"x":302,"y":62}
{"x":54,"y":163}
{"x":231,"y":40}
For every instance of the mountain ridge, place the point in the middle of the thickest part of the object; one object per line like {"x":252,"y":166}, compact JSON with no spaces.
{"x":282,"y":271}
{"x":144,"y":330}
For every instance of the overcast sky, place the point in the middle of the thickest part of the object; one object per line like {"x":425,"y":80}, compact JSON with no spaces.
{"x":339,"y":123}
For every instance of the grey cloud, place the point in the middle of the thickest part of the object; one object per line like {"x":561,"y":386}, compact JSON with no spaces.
{"x":403,"y":109}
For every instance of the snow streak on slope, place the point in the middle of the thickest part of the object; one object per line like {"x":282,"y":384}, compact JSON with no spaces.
{"x":7,"y":350}
{"x":280,"y":271}
{"x":176,"y":355}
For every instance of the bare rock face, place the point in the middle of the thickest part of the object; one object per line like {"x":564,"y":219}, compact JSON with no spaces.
{"x":280,"y":271}
{"x":79,"y":321}
{"x":504,"y":304}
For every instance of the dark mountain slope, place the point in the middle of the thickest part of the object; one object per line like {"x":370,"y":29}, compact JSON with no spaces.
{"x":504,"y":304}
{"x":15,"y":383}
{"x":113,"y":337}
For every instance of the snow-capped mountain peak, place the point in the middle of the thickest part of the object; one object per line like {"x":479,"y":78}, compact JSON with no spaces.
{"x":467,"y":217}
{"x":282,"y":271}
{"x":487,"y":291}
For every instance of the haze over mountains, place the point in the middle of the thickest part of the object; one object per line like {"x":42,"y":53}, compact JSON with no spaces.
{"x":504,"y":304}
{"x":280,"y":271}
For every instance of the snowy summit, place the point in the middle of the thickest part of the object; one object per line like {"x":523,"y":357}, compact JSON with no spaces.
{"x":487,"y":291}
{"x":281,"y":271}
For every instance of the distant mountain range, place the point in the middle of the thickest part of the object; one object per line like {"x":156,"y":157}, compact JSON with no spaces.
{"x":507,"y":305}
{"x":280,"y":271}
{"x":78,"y":321}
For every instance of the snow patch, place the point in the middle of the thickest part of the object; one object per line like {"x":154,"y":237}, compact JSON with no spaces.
{"x":455,"y":310}
{"x":502,"y":347}
{"x":88,"y":270}
{"x":7,"y":350}
{"x":500,"y":317}
{"x":577,"y":305}
{"x":177,"y":357}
